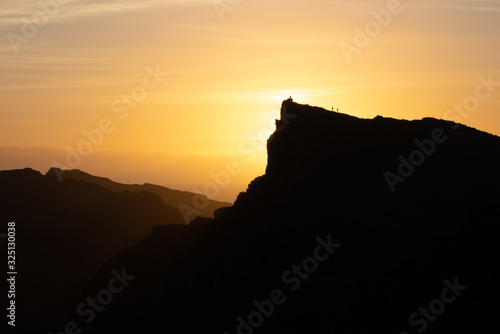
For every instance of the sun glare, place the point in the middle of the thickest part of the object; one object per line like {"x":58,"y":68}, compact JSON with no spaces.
{"x":280,"y":95}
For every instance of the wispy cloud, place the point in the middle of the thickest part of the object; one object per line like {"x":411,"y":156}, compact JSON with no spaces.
{"x":13,"y":11}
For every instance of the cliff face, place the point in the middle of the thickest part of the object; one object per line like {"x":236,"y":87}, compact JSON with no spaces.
{"x":368,"y":153}
{"x":355,"y":225}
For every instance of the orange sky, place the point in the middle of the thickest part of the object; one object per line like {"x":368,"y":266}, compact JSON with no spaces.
{"x":69,"y":66}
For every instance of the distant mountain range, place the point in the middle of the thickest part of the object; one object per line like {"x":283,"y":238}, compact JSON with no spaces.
{"x":358,"y":226}
{"x":70,"y":228}
{"x":169,"y":196}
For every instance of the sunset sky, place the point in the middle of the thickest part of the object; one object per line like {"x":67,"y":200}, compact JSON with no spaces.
{"x":222,"y":69}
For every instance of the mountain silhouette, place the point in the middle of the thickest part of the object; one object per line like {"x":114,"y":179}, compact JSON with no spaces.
{"x":357,"y":226}
{"x":70,"y":228}
{"x":169,"y":196}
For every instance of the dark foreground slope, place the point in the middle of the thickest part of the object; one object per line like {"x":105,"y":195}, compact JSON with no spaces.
{"x":169,"y":196}
{"x":325,"y":238}
{"x":66,"y":231}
